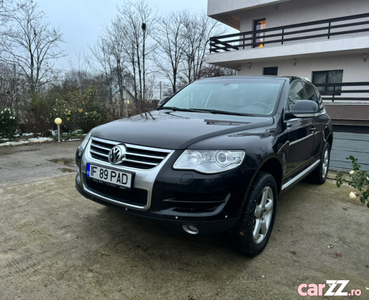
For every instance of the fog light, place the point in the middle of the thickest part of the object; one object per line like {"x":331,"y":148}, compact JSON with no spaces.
{"x":78,"y":177}
{"x":79,"y":153}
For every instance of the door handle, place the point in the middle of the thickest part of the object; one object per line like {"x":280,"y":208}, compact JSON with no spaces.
{"x":312,"y":129}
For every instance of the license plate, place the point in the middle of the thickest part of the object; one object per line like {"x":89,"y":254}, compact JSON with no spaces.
{"x":110,"y":176}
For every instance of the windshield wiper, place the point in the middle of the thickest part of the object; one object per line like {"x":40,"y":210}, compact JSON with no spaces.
{"x":175,"y":108}
{"x":216,"y":111}
{"x":204,"y":110}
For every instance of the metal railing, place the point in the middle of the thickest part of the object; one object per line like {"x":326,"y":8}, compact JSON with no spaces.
{"x":345,"y":91}
{"x":303,"y":31}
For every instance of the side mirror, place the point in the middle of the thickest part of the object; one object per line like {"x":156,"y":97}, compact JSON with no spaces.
{"x":163,"y":101}
{"x":304,"y":109}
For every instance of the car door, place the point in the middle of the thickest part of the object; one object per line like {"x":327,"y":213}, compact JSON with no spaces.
{"x":320,"y":122}
{"x":300,"y":133}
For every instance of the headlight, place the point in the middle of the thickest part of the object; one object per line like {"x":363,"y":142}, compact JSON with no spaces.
{"x":209,"y":161}
{"x":83,"y":145}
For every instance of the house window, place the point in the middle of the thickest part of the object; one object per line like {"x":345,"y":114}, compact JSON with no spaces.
{"x":324,"y":77}
{"x":259,"y":36}
{"x":270,"y":71}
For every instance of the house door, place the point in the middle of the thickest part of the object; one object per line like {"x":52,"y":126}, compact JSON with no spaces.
{"x":270,"y":71}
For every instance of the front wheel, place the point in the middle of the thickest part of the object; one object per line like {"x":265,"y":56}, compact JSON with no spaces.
{"x":252,"y":232}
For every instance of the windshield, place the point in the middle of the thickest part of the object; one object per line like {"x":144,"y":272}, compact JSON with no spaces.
{"x":239,"y":96}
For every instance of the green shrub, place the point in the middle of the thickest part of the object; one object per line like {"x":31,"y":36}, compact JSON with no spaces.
{"x":38,"y":115}
{"x":358,"y":179}
{"x":8,"y":124}
{"x":84,"y":111}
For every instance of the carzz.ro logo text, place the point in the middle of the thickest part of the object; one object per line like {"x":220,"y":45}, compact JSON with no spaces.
{"x":329,"y":288}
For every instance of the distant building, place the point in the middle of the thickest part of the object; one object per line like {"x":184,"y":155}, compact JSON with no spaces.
{"x":326,"y":41}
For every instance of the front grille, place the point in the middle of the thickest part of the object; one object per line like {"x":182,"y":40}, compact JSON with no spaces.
{"x":138,"y":157}
{"x":132,"y":196}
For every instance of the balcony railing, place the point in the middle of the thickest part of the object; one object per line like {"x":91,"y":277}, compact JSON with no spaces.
{"x":345,"y":91}
{"x":325,"y":29}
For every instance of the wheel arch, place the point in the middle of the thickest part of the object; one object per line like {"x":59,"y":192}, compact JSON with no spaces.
{"x":330,"y":140}
{"x":274,"y":167}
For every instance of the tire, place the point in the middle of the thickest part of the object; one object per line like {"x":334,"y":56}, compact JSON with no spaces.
{"x":259,"y":212}
{"x":319,"y":175}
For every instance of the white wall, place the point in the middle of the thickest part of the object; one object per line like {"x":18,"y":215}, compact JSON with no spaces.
{"x":298,"y":11}
{"x":224,"y":6}
{"x":355,"y":69}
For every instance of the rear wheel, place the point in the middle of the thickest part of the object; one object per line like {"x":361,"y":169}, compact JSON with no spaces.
{"x":252,"y":232}
{"x":319,"y":175}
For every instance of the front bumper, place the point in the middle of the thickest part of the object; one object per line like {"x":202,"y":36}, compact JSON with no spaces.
{"x":211,"y":203}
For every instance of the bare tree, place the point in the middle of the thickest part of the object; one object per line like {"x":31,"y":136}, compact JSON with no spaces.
{"x":31,"y":45}
{"x":8,"y":7}
{"x":170,"y":45}
{"x":197,"y":33}
{"x":136,"y":21}
{"x":11,"y":87}
{"x":79,"y":73}
{"x":123,"y":50}
{"x":10,"y":83}
{"x":216,"y":71}
{"x":110,"y":54}
{"x":115,"y":41}
{"x":103,"y":64}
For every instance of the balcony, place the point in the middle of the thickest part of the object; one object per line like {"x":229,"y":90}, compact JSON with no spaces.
{"x":347,"y":103}
{"x":321,"y":37}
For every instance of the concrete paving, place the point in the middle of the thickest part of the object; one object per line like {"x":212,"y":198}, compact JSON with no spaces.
{"x":55,"y":244}
{"x":22,"y":164}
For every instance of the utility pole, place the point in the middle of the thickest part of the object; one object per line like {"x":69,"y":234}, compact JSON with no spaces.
{"x":15,"y":90}
{"x":160,"y":90}
{"x":143,"y":93}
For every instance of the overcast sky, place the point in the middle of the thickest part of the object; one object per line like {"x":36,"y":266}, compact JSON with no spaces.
{"x":81,"y":21}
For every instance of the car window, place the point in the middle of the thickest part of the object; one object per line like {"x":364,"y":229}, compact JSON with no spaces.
{"x":255,"y":97}
{"x":310,"y":93}
{"x":320,"y":100}
{"x":297,"y":92}
{"x":313,"y":94}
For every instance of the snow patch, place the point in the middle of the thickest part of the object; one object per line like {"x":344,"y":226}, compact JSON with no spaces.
{"x":31,"y":140}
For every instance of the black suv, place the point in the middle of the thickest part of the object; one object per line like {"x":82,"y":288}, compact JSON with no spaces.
{"x":213,"y":157}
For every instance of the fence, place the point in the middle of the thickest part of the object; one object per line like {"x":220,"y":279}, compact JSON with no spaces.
{"x":326,"y":28}
{"x":345,"y":91}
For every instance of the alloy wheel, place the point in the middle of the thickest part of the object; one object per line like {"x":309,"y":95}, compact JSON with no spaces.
{"x":263,"y":215}
{"x":325,"y":163}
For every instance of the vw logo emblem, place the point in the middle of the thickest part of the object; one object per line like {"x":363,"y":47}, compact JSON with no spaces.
{"x":117,"y":154}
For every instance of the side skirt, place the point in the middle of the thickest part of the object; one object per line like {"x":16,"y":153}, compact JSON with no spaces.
{"x":301,"y":175}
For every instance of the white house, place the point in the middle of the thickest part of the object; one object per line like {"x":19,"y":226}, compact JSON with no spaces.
{"x":326,"y":41}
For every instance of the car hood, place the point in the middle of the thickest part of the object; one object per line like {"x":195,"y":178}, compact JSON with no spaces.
{"x":176,"y":129}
